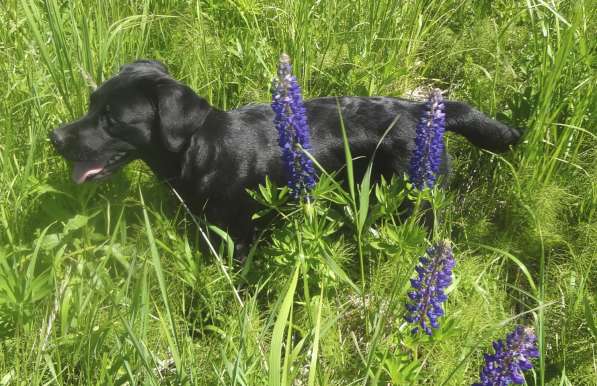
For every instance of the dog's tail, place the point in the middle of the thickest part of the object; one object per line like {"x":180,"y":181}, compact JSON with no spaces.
{"x":479,"y":129}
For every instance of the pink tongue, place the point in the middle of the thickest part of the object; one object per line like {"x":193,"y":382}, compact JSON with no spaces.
{"x":84,"y":169}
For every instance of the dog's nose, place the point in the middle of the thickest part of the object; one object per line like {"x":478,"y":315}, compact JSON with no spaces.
{"x":57,"y":138}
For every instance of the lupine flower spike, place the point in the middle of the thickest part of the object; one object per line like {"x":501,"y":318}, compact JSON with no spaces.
{"x":429,"y":143}
{"x":291,"y":122}
{"x":434,"y":276}
{"x":510,"y":360}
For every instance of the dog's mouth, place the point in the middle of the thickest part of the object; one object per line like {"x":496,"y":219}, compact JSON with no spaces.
{"x":94,"y":170}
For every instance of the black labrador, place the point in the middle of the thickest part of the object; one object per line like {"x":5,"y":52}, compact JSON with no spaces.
{"x":211,"y":156}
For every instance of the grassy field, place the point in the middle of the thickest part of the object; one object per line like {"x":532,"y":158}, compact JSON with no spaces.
{"x":103,"y":283}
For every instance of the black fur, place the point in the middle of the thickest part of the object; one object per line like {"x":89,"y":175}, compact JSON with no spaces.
{"x":211,"y":156}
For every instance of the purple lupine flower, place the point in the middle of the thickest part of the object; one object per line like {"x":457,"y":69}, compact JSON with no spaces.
{"x":434,"y":276}
{"x":429,"y":143}
{"x":291,"y":122}
{"x":507,"y":364}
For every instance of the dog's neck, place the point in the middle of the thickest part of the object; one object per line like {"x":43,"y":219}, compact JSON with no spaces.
{"x":167,"y":168}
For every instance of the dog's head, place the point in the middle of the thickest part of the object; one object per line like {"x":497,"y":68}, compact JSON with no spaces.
{"x":138,"y":113}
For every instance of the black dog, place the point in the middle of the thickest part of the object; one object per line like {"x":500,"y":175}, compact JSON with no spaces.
{"x":211,"y":157}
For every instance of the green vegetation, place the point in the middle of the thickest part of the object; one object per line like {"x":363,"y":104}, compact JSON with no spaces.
{"x":104,"y":284}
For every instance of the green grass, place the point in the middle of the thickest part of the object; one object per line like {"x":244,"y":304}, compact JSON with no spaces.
{"x":104,"y":283}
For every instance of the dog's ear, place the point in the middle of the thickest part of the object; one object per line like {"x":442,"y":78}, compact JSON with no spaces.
{"x":145,"y":63}
{"x":180,"y":112}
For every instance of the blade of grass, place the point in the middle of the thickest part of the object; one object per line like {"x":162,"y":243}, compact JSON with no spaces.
{"x":315,"y":347}
{"x":157,"y":265}
{"x":275,"y":363}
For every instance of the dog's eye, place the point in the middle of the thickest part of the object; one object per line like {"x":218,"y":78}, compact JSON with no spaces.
{"x":108,"y":114}
{"x":92,"y":100}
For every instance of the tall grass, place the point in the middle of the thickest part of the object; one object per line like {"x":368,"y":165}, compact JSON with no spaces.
{"x":102,"y":284}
